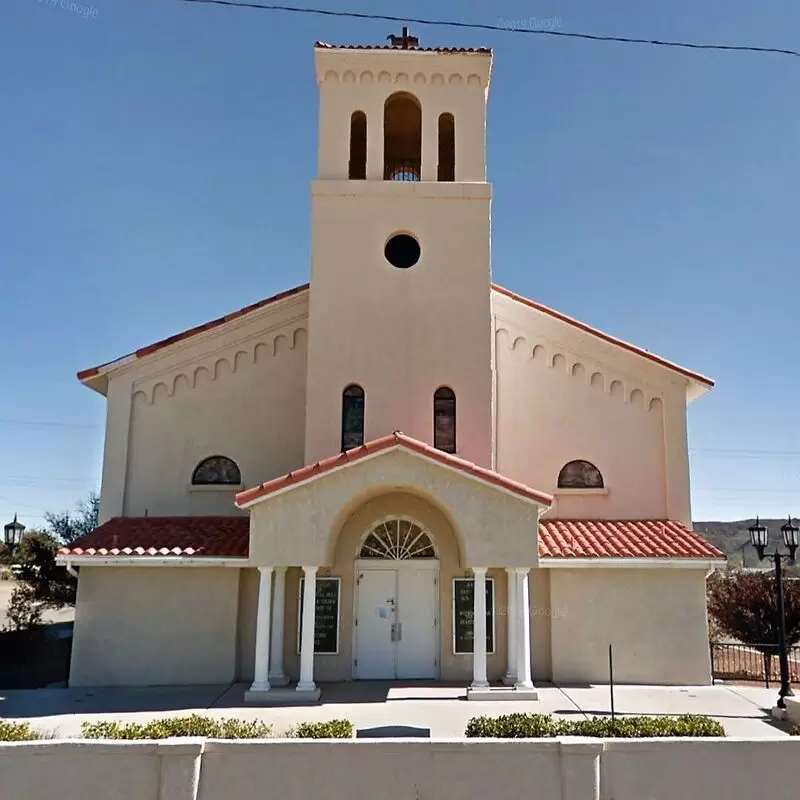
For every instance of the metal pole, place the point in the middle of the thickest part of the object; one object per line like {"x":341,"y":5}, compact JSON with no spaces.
{"x":611,"y":679}
{"x":783,"y":656}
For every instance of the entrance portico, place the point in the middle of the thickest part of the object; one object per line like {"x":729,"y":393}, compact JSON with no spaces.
{"x":423,"y":560}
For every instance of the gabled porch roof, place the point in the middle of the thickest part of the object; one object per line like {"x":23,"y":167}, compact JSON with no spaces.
{"x":398,"y":441}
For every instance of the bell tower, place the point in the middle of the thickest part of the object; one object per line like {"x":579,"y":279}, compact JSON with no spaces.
{"x":400,"y":299}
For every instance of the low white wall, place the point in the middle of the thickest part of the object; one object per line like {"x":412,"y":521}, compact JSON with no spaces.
{"x":565,"y":769}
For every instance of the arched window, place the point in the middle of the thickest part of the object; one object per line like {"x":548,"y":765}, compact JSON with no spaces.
{"x":444,"y":419}
{"x":358,"y":146}
{"x":402,"y":138}
{"x":580,"y":475}
{"x":447,"y":147}
{"x":397,"y":540}
{"x":216,"y":470}
{"x":352,"y":417}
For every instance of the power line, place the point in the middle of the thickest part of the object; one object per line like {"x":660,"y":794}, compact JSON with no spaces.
{"x":502,"y":28}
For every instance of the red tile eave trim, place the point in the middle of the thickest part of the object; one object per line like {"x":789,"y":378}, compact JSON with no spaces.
{"x":385,"y":443}
{"x":327,"y":46}
{"x":632,"y":348}
{"x":566,"y":539}
{"x":142,"y":352}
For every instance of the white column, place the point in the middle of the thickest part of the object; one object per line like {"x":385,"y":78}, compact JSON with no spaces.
{"x":261,"y":674}
{"x":523,"y":631}
{"x":276,"y":674}
{"x":511,"y":629}
{"x":306,"y":682}
{"x":479,"y":630}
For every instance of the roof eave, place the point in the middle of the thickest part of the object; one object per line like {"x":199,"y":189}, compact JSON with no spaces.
{"x":698,"y":384}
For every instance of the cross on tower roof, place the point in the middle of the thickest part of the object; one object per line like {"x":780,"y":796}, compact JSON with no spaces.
{"x":405,"y":41}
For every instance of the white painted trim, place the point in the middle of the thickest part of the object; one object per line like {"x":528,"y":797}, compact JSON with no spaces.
{"x":150,"y":561}
{"x":300,"y":585}
{"x":405,"y":564}
{"x":405,"y":449}
{"x":215,"y":487}
{"x":631,"y":563}
{"x":582,"y":491}
{"x":489,"y":579}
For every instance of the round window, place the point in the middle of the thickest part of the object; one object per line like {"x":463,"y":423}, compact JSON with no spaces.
{"x":402,"y":251}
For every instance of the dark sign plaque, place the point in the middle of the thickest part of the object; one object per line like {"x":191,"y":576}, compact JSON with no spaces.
{"x":463,"y":610}
{"x":326,"y":622}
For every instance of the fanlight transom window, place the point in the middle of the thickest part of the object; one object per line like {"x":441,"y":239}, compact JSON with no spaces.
{"x":399,"y":540}
{"x":217,"y":470}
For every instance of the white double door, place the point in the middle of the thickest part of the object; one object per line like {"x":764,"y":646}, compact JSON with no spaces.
{"x":397,"y":620}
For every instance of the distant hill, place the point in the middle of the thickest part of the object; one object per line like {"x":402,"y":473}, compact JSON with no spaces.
{"x":733,"y":538}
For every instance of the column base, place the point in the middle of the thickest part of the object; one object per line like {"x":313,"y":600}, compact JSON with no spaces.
{"x":260,"y":686}
{"x":281,"y":696}
{"x":502,"y":693}
{"x":278,"y":680}
{"x":307,"y":687}
{"x":509,"y":679}
{"x":525,"y":685}
{"x":479,"y":685}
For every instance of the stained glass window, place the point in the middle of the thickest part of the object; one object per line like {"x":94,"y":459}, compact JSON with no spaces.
{"x":217,"y":470}
{"x":580,"y":475}
{"x":352,"y":417}
{"x":444,"y":420}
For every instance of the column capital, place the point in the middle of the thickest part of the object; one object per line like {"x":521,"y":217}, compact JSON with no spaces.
{"x":479,"y":570}
{"x":310,"y":570}
{"x":266,"y":570}
{"x":522,"y":570}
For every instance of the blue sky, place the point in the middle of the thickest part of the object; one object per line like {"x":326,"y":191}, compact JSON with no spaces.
{"x":155,"y":162}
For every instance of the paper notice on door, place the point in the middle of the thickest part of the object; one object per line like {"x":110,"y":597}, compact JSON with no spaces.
{"x":383,"y":612}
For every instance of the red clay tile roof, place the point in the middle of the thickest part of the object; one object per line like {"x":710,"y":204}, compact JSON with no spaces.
{"x":562,"y":538}
{"x":396,"y":439}
{"x":695,"y":376}
{"x":228,"y":537}
{"x":327,"y":46}
{"x":150,"y":349}
{"x":222,"y":537}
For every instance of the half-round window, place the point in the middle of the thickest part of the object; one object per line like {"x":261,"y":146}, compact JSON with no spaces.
{"x":580,"y":475}
{"x":217,"y":470}
{"x":399,"y":540}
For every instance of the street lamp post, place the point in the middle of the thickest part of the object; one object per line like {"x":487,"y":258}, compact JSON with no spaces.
{"x":12,"y":532}
{"x":759,"y":537}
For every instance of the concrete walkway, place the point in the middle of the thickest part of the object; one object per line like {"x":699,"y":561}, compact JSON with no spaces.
{"x":443,"y":709}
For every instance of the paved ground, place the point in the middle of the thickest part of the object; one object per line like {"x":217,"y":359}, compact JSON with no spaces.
{"x":744,"y":712}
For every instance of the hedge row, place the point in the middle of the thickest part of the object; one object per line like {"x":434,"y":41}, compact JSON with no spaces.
{"x":197,"y":725}
{"x":545,"y":726}
{"x":194,"y":725}
{"x":18,"y":732}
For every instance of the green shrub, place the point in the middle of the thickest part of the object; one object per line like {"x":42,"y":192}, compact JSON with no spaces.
{"x":543,"y":726}
{"x":335,"y":729}
{"x":795,"y":731}
{"x":17,"y":732}
{"x":195,"y":725}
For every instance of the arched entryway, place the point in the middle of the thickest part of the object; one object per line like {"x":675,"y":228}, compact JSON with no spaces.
{"x":396,"y":609}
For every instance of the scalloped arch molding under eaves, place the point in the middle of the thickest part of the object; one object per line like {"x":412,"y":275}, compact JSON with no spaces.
{"x":454,"y":79}
{"x":551,"y":358}
{"x":239,"y":359}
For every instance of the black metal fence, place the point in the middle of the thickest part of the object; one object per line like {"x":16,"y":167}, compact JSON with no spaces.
{"x":752,"y":663}
{"x":35,"y":658}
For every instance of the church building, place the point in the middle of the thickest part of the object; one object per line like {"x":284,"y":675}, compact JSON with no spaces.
{"x":400,"y":470}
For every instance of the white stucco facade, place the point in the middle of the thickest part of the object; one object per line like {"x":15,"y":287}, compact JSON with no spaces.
{"x":265,"y":389}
